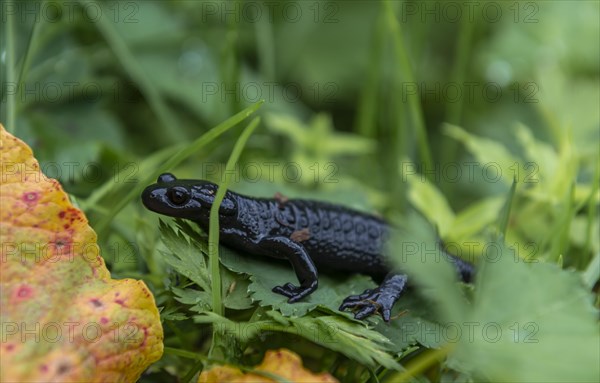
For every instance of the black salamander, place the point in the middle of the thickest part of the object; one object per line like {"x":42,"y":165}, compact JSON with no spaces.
{"x":311,"y":235}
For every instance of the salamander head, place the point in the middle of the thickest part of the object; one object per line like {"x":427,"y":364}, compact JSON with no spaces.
{"x":189,"y":199}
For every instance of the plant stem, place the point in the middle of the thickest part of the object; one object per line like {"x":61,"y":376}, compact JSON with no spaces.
{"x":265,"y":45}
{"x":367,"y":109}
{"x":213,"y":230}
{"x":9,"y":57}
{"x":31,"y":45}
{"x":421,"y":364}
{"x":454,"y":110}
{"x":416,"y":112}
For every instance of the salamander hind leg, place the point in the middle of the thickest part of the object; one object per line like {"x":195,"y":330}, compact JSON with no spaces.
{"x":380,"y":299}
{"x":306,"y":272}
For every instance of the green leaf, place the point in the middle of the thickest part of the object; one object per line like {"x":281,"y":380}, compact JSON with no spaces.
{"x":475,"y":217}
{"x":431,"y":202}
{"x":415,"y":249}
{"x":198,"y":300}
{"x":535,"y":318}
{"x":542,"y":157}
{"x":317,"y":141}
{"x":235,"y":291}
{"x":413,"y":321}
{"x":347,"y":337}
{"x":267,"y":273}
{"x":187,"y":255}
{"x":490,"y":155}
{"x":184,"y":257}
{"x":591,"y":276}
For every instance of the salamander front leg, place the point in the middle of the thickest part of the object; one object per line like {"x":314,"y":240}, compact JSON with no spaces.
{"x":380,"y":299}
{"x":305,"y":270}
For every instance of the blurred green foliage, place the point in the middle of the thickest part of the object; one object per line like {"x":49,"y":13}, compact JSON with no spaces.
{"x":482,"y":116}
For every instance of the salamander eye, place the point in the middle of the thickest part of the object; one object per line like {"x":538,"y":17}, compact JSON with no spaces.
{"x":178,"y":195}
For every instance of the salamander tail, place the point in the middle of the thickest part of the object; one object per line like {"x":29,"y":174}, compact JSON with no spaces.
{"x":465,"y":269}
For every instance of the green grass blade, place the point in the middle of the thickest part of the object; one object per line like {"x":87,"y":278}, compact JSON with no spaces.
{"x":29,"y":49}
{"x":149,"y":164}
{"x":505,"y":212}
{"x":178,"y":157}
{"x":421,"y":364}
{"x":367,"y":108}
{"x":8,"y":31}
{"x":591,"y":275}
{"x":591,"y":212}
{"x":454,"y":110}
{"x":197,"y":367}
{"x":185,"y":354}
{"x":416,"y":112}
{"x":213,"y":229}
{"x":265,"y":46}
{"x":168,"y":127}
{"x":567,"y":218}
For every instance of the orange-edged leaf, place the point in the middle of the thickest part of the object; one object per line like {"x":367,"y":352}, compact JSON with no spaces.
{"x":63,"y":318}
{"x":281,"y":363}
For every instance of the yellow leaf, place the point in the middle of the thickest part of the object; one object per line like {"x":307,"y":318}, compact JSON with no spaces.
{"x":63,"y":318}
{"x":282,"y":363}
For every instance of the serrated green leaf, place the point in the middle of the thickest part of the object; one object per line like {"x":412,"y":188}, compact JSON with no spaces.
{"x":414,"y":324}
{"x":236,"y":294}
{"x":350,"y":338}
{"x":411,"y":323}
{"x":187,"y":255}
{"x":184,"y":257}
{"x":198,"y":300}
{"x":267,"y":273}
{"x":535,"y":318}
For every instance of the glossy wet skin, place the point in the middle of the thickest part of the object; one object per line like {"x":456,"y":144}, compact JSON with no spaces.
{"x":189,"y":199}
{"x":309,"y":234}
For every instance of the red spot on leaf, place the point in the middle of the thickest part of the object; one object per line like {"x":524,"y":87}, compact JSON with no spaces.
{"x":96,"y":302}
{"x":63,"y":368}
{"x":30,"y":197}
{"x":120,"y":302}
{"x":145,"y":337}
{"x":9,"y":347}
{"x":24,"y":292}
{"x":61,"y":245}
{"x":104,"y":320}
{"x":62,"y":214}
{"x":44,"y":368}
